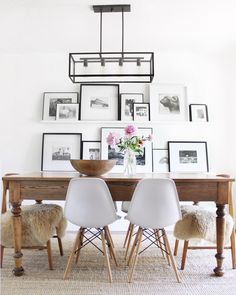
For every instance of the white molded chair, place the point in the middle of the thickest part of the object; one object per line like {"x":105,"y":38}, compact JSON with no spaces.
{"x":154,"y":205}
{"x":89,"y":205}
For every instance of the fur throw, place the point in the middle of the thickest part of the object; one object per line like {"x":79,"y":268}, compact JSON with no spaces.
{"x":39,"y":224}
{"x":200,"y":223}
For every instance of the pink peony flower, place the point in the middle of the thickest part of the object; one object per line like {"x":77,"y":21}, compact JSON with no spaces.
{"x":130,"y":130}
{"x":113,"y":138}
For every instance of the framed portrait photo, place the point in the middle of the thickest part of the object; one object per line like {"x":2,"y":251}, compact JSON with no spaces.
{"x":141,"y":112}
{"x":67,"y":112}
{"x":198,"y":112}
{"x":58,"y":149}
{"x":51,"y":99}
{"x":126,"y":104}
{"x":143,"y":162}
{"x":91,"y":150}
{"x":188,"y":156}
{"x":99,"y":102}
{"x":168,"y":102}
{"x":160,"y":160}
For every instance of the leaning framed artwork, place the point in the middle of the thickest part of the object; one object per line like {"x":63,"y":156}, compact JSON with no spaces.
{"x":160,"y":160}
{"x":141,"y":112}
{"x":126,"y":104}
{"x":67,"y":112}
{"x":51,"y":99}
{"x":91,"y":150}
{"x":168,"y":102}
{"x":198,"y":112}
{"x":58,"y":149}
{"x":144,"y":161}
{"x":188,"y":156}
{"x":99,"y":102}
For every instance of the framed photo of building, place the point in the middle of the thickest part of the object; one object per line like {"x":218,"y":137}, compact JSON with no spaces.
{"x":99,"y":102}
{"x":160,"y":160}
{"x":188,"y":156}
{"x":58,"y":149}
{"x":67,"y":112}
{"x":198,"y":112}
{"x":51,"y":99}
{"x":141,"y":112}
{"x":91,"y":150}
{"x":127,"y":101}
{"x":144,"y":161}
{"x":168,"y":102}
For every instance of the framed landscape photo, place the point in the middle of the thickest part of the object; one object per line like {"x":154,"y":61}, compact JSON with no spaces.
{"x":99,"y":102}
{"x":67,"y":112}
{"x":141,"y":112}
{"x":58,"y":149}
{"x":198,"y":112}
{"x":91,"y":150}
{"x":168,"y":102}
{"x":51,"y":99}
{"x":160,"y":160}
{"x":188,"y":156}
{"x":126,"y":104}
{"x":144,"y":162}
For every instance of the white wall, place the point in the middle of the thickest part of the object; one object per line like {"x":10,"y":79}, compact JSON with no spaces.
{"x":194,"y":44}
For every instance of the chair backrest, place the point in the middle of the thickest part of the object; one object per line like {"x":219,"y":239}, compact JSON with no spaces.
{"x":89,"y":203}
{"x":155,"y":204}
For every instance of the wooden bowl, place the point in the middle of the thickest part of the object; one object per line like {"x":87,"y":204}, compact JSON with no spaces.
{"x":93,"y":167}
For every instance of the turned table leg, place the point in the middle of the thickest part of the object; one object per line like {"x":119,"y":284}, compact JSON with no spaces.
{"x":220,"y":231}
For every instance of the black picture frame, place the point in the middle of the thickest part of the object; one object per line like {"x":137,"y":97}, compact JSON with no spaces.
{"x":85,"y":113}
{"x":135,"y":117}
{"x":126,"y":109}
{"x":58,"y":149}
{"x":96,"y":144}
{"x":198,"y":112}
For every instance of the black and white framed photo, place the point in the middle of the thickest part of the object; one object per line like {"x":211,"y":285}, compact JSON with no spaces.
{"x":126,"y":103}
{"x":99,"y":102}
{"x":91,"y":150}
{"x":160,"y":160}
{"x":141,"y":112}
{"x":198,"y":112}
{"x":67,"y":112}
{"x":144,"y":162}
{"x":58,"y":149}
{"x":188,"y":156}
{"x":168,"y":102}
{"x":51,"y":99}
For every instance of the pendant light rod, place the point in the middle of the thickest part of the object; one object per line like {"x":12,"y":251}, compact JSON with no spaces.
{"x":123,"y":29}
{"x":101,"y":33}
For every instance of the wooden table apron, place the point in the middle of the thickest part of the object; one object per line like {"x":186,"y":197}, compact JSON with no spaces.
{"x":46,"y":186}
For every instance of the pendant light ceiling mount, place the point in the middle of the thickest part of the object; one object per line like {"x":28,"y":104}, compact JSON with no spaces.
{"x":110,"y":67}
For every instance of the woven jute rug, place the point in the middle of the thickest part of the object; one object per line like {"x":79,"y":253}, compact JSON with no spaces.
{"x":152,"y":275}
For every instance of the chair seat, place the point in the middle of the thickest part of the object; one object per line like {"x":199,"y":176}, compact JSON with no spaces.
{"x":39,"y":223}
{"x":200,"y":223}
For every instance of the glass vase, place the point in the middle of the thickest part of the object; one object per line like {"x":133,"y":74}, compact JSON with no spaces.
{"x":129,"y":163}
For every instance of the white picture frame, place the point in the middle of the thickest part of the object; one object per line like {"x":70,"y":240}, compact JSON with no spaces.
{"x":168,"y":102}
{"x":126,"y":104}
{"x":91,"y":150}
{"x":58,"y":149}
{"x":188,"y":156}
{"x":160,"y":161}
{"x":144,"y":163}
{"x":67,"y":112}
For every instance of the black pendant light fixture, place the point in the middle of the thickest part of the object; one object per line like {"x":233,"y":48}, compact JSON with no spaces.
{"x":110,"y":67}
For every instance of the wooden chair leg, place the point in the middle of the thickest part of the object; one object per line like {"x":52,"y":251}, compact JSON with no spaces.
{"x":110,"y":237}
{"x":233,"y":248}
{"x":49,"y":250}
{"x":1,"y":259}
{"x":106,"y":256}
{"x":127,"y":235}
{"x":166,"y":248}
{"x":176,"y":247}
{"x":139,"y":239}
{"x":132,"y":249}
{"x":129,"y":240}
{"x":59,"y":244}
{"x":157,"y":235}
{"x":80,"y":244}
{"x":72,"y":254}
{"x":184,"y":255}
{"x":172,"y":258}
{"x":109,"y":242}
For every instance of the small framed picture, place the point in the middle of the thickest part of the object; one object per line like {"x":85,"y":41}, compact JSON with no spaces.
{"x":91,"y":150}
{"x":141,"y":111}
{"x":168,"y":102}
{"x":127,"y":101}
{"x":144,"y":161}
{"x":51,"y":99}
{"x":160,"y":160}
{"x":67,"y":112}
{"x":58,"y":149}
{"x":99,"y":102}
{"x":188,"y":156}
{"x":198,"y":112}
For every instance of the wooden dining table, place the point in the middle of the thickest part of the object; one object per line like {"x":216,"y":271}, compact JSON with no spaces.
{"x":53,"y":186}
